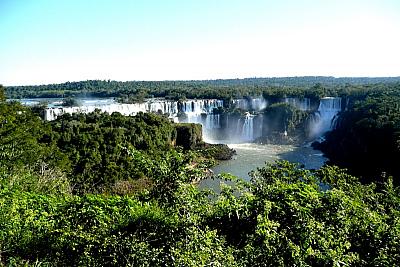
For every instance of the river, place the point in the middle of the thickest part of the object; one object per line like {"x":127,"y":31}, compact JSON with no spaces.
{"x":250,"y":156}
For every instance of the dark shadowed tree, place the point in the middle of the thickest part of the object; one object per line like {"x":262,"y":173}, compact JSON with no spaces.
{"x":2,"y":94}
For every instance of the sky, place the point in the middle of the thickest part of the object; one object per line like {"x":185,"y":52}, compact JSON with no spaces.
{"x":55,"y":41}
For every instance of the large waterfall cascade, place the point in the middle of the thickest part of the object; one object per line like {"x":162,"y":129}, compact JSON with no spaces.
{"x":124,"y":109}
{"x":201,"y":111}
{"x":228,"y":127}
{"x":247,"y":131}
{"x":190,"y":107}
{"x":325,"y":117}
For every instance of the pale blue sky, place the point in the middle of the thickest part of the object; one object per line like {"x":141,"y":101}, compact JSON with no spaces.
{"x":48,"y":41}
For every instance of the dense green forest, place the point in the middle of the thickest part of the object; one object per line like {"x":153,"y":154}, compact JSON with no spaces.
{"x":283,"y":117}
{"x":95,"y":150}
{"x":109,"y":190}
{"x":222,"y":89}
{"x":366,"y":139}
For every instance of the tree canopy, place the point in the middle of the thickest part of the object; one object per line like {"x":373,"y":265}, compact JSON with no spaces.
{"x":108,"y":190}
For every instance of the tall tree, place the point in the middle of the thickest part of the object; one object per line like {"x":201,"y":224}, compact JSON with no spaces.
{"x":2,"y":94}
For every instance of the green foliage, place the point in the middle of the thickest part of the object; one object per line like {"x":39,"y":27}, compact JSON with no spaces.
{"x":281,"y":218}
{"x":189,"y":135}
{"x":216,"y":151}
{"x":202,"y":248}
{"x":95,"y":143}
{"x":24,"y":143}
{"x":2,"y":94}
{"x":283,"y":118}
{"x":366,"y":139}
{"x":285,"y":216}
{"x":169,"y":172}
{"x":70,"y":102}
{"x":299,"y":224}
{"x":91,"y":150}
{"x":45,"y":181}
{"x":96,"y":230}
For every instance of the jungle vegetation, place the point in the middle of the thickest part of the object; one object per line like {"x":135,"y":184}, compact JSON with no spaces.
{"x":109,"y":190}
{"x":366,"y":139}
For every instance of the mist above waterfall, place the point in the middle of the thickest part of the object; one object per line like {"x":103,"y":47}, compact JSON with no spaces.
{"x":253,"y":104}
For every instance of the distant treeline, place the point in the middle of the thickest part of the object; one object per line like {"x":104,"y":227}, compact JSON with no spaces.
{"x":312,"y":87}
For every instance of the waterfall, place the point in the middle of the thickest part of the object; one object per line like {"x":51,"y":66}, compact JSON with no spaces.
{"x":216,"y":127}
{"x":212,"y":121}
{"x":240,"y":103}
{"x":192,"y":111}
{"x":50,"y":114}
{"x":248,"y":128}
{"x":258,"y":104}
{"x":324,"y":118}
{"x":205,"y":106}
{"x":201,"y":111}
{"x":193,"y":108}
{"x":162,"y":106}
{"x":124,"y":109}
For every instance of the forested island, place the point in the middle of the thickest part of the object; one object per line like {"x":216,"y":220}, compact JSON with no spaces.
{"x":100,"y":189}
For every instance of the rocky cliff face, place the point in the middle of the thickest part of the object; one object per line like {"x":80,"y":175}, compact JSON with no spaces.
{"x":188,"y":135}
